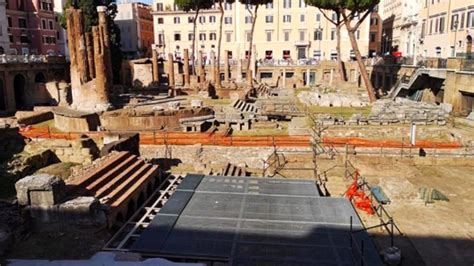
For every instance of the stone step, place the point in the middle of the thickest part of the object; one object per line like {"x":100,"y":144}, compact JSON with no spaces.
{"x":127,"y":191}
{"x":90,"y":177}
{"x":123,"y":187}
{"x":102,"y":180}
{"x":123,"y":177}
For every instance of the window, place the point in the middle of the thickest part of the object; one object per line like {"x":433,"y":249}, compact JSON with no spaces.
{"x":22,"y":23}
{"x":228,"y":36}
{"x":286,"y":55}
{"x":318,"y":17}
{"x":318,"y":35}
{"x":160,"y":21}
{"x":302,"y":34}
{"x":159,"y":7}
{"x":161,"y":39}
{"x":269,"y":5}
{"x":334,"y":16}
{"x":176,"y":20}
{"x":177,"y":37}
{"x":202,"y":36}
{"x":248,"y":36}
{"x":302,"y":18}
{"x":10,"y":37}
{"x":461,"y":25}
{"x":373,"y":36}
{"x":442,"y":22}
{"x":228,"y":20}
{"x":1,"y":30}
{"x":202,"y":19}
{"x":248,"y":20}
{"x":470,"y":19}
{"x":286,"y":3}
{"x":431,"y":26}
{"x":423,"y":29}
{"x":286,"y":36}
{"x":228,"y":6}
{"x":287,"y":18}
{"x":212,"y":19}
{"x":212,"y":36}
{"x":302,"y":4}
{"x":190,"y":36}
{"x":269,"y":19}
{"x":333,"y":34}
{"x":51,"y":25}
{"x":190,"y":19}
{"x":9,"y":21}
{"x":269,"y":36}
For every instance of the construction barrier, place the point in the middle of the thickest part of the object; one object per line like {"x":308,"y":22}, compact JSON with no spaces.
{"x":180,"y":138}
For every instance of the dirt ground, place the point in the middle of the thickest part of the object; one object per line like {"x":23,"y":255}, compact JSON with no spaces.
{"x":443,"y":232}
{"x":67,"y":245}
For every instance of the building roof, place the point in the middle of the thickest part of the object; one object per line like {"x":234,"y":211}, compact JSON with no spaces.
{"x":255,"y":221}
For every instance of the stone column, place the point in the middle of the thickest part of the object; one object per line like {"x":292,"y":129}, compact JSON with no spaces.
{"x":187,"y":80}
{"x":239,"y":69}
{"x":156,"y":71}
{"x":202,"y":71}
{"x":103,"y":65}
{"x":284,"y":77}
{"x":307,"y":77}
{"x":90,"y":54}
{"x":212,"y":67}
{"x":226,"y":66}
{"x":171,"y":71}
{"x":331,"y":78}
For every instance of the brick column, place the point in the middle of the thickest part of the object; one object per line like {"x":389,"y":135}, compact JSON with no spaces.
{"x":156,"y":73}
{"x":226,"y":66}
{"x":187,"y":80}
{"x":171,"y":71}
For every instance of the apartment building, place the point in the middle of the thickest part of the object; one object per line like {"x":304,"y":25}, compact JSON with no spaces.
{"x":447,"y":28}
{"x":285,"y":29}
{"x":61,"y":34}
{"x":375,"y":37}
{"x":32,"y":26}
{"x":136,"y":25}
{"x":401,"y":26}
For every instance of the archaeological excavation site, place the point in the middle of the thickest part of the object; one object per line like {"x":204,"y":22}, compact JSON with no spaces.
{"x":210,"y":157}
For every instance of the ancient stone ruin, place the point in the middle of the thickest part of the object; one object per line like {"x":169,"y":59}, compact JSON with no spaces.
{"x":91,"y":71}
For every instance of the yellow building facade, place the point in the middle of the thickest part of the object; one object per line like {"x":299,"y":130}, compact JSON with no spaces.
{"x":286,"y":29}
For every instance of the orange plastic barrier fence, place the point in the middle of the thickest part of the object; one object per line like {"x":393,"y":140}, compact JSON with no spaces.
{"x":177,"y":138}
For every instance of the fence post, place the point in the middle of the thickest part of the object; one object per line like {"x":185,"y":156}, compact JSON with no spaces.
{"x":154,"y":137}
{"x":49,"y":133}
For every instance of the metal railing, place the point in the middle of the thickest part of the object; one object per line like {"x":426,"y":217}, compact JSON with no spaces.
{"x":26,"y":59}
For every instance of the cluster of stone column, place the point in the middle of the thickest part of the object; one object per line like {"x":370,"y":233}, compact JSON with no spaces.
{"x":91,"y":66}
{"x":189,"y":79}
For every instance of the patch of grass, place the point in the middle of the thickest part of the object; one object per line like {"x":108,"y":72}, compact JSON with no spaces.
{"x":300,"y":90}
{"x":214,"y":102}
{"x":46,"y":124}
{"x":345,"y":112}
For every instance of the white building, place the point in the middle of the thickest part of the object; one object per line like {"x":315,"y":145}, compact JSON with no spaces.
{"x":62,"y":34}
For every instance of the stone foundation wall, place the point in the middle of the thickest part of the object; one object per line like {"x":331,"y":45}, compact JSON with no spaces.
{"x":81,"y":151}
{"x":76,"y":124}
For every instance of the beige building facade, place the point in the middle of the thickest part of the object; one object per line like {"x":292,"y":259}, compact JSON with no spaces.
{"x":447,"y":28}
{"x":401,"y":26}
{"x":286,"y":29}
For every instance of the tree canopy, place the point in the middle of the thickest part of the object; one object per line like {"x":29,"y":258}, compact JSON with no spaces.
{"x":352,"y":5}
{"x":188,"y":5}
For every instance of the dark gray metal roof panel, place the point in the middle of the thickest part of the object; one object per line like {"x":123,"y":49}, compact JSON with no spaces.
{"x":251,"y":221}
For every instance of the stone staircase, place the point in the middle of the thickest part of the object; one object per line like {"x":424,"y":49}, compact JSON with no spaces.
{"x":229,"y":170}
{"x":121,"y":182}
{"x":245,"y":107}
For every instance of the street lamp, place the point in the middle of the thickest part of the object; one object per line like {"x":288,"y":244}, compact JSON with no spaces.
{"x":455,"y":28}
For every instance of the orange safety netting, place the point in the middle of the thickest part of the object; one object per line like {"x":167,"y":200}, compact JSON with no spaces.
{"x":180,"y":138}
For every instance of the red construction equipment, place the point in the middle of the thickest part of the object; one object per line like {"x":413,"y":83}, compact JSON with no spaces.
{"x":360,"y":199}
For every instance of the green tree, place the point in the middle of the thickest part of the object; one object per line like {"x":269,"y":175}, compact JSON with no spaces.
{"x":338,"y":22}
{"x":254,"y":13}
{"x":353,"y":12}
{"x":89,"y":9}
{"x":196,"y":6}
{"x":219,"y":44}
